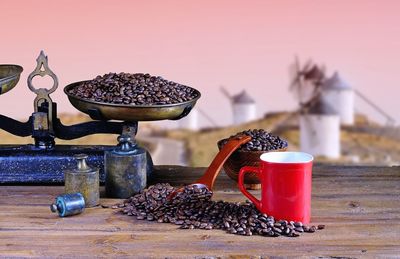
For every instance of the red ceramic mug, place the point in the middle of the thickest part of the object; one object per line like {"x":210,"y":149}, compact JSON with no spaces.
{"x":285,"y":185}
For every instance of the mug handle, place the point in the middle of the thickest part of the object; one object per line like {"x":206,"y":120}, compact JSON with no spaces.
{"x":243,"y":171}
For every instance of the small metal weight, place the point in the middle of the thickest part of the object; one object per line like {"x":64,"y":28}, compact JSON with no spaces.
{"x":68,"y":204}
{"x":125,"y":169}
{"x":84,"y":180}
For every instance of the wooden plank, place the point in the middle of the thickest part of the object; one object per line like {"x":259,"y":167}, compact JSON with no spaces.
{"x":360,"y":207}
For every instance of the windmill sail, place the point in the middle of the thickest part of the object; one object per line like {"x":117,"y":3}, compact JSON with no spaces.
{"x":306,"y":80}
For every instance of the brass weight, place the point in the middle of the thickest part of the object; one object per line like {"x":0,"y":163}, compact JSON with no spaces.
{"x":125,"y":168}
{"x":84,"y":180}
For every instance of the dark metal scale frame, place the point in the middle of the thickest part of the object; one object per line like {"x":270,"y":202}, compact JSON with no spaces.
{"x":43,"y":161}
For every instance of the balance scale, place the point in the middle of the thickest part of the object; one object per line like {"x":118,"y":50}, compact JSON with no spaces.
{"x":44,"y":161}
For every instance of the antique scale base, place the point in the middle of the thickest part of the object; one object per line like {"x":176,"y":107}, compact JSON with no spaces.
{"x":27,"y":164}
{"x":44,"y":162}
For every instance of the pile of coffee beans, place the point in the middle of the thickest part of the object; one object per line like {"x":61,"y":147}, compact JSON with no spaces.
{"x":261,"y":140}
{"x":193,"y":209}
{"x":133,"y":89}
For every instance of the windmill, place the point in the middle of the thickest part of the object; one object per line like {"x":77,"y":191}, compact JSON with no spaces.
{"x":243,"y":106}
{"x":306,"y":81}
{"x":319,"y":123}
{"x":324,"y":104}
{"x":191,"y":122}
{"x":339,"y":94}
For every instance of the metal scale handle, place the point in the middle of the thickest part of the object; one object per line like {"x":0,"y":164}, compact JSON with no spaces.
{"x":43,"y":106}
{"x":42,"y":69}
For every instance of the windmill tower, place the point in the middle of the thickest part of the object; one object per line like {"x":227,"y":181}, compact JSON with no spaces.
{"x":320,"y":131}
{"x":243,"y":106}
{"x":191,"y":121}
{"x":319,"y":123}
{"x":338,"y":94}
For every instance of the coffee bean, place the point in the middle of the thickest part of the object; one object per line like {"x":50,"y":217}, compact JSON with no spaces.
{"x":133,"y":89}
{"x":277,"y":234}
{"x":262,"y":218}
{"x":294,"y":234}
{"x":299,"y":229}
{"x":312,"y":229}
{"x":263,"y":225}
{"x":283,"y":222}
{"x":298,"y":224}
{"x":261,"y":140}
{"x":203,"y":225}
{"x":286,"y":231}
{"x":193,"y":208}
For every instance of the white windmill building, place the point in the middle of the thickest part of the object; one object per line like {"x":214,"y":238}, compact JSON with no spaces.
{"x":191,"y":121}
{"x":320,"y":131}
{"x":318,"y":121}
{"x":340,"y":96}
{"x":243,"y":107}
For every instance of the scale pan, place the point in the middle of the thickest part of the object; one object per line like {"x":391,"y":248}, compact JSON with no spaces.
{"x":124,"y":112}
{"x":9,"y":77}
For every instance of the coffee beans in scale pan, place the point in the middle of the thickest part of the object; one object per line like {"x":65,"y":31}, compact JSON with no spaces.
{"x":132,"y":97}
{"x":192,"y":208}
{"x":133,"y":89}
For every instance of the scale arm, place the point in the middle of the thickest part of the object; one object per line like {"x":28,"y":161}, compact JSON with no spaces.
{"x":21,"y":129}
{"x":86,"y":128}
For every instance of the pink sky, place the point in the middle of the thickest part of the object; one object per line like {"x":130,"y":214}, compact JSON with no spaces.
{"x":205,"y":44}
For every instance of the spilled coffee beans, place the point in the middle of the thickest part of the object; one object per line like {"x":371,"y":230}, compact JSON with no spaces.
{"x":261,"y":140}
{"x":193,"y":209}
{"x":133,"y":89}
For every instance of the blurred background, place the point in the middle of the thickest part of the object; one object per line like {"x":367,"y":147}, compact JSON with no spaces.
{"x":321,"y":74}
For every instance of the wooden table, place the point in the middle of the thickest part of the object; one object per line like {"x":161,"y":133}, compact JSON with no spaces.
{"x":360,"y":207}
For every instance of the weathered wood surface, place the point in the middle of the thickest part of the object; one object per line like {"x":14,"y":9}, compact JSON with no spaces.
{"x":360,"y":207}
